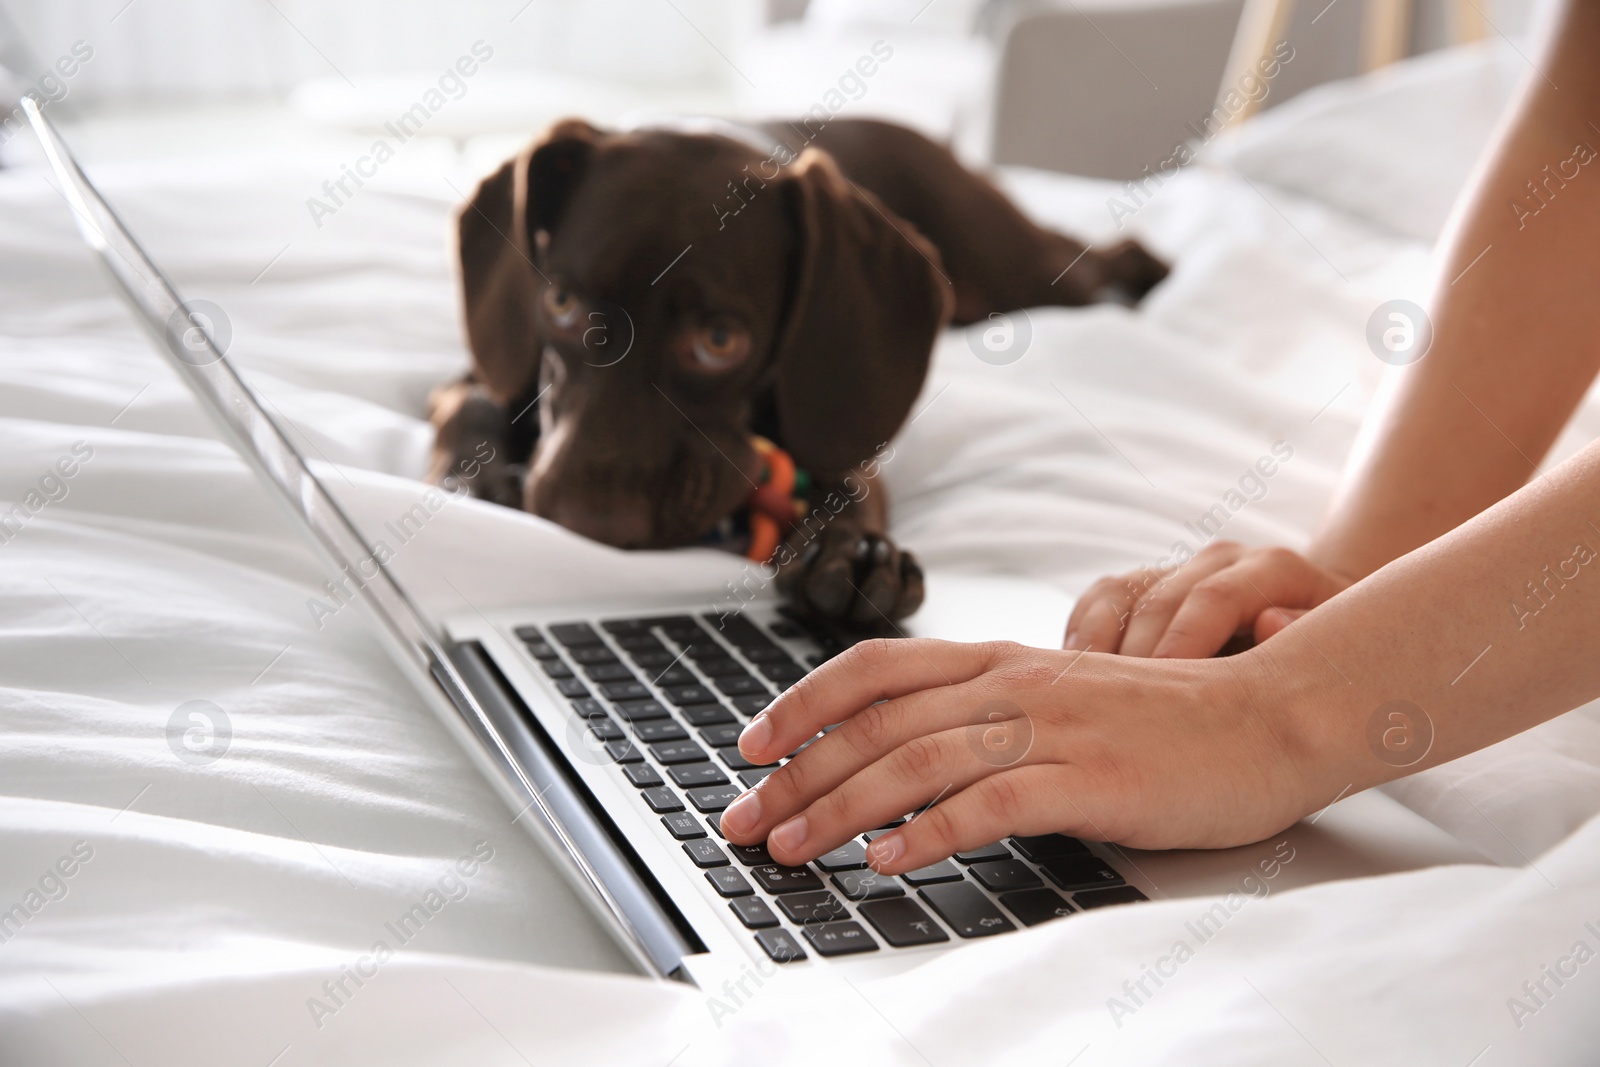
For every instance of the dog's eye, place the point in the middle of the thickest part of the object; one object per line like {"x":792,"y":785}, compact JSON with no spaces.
{"x":719,"y":346}
{"x":561,"y":305}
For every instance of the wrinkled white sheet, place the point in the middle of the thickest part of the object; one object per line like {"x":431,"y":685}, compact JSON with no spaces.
{"x":208,"y":903}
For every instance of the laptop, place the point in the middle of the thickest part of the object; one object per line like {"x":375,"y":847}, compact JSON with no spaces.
{"x":611,"y":731}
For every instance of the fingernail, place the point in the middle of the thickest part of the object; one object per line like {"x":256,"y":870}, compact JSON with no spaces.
{"x":791,"y":835}
{"x":757,"y":736}
{"x":743,"y":814}
{"x":1070,"y":642}
{"x":884,"y":851}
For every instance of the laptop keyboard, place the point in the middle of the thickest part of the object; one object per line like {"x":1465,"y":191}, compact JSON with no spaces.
{"x":664,"y":698}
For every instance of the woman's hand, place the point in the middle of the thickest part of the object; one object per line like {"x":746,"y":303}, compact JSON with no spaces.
{"x":1016,"y":740}
{"x":1227,"y":589}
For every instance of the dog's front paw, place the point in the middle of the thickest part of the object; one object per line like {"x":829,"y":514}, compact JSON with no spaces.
{"x":854,"y":578}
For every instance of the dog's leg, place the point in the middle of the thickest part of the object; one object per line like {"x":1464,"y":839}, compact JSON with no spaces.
{"x":993,"y":255}
{"x":839,"y":564}
{"x":474,"y":444}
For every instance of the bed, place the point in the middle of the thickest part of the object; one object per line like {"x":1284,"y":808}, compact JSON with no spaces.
{"x":225,"y":906}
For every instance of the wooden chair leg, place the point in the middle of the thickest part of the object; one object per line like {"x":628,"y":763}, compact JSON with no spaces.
{"x":1385,"y":33}
{"x":1262,"y":25}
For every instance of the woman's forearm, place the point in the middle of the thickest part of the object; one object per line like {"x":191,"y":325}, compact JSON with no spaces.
{"x":1484,"y":632}
{"x":1517,"y":314}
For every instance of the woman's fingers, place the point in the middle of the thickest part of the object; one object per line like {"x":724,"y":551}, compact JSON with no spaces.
{"x":1155,"y":612}
{"x":1231,"y":600}
{"x":926,"y":768}
{"x":871,"y":671}
{"x":1101,"y":614}
{"x":1021,"y":800}
{"x":1273,"y":620}
{"x":882,"y":732}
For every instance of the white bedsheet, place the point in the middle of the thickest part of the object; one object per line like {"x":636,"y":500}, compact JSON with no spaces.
{"x":216,"y":899}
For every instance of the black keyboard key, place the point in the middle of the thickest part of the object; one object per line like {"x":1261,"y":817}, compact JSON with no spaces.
{"x":753,"y":912}
{"x":755,"y":776}
{"x":690,"y":775}
{"x":1048,"y":846}
{"x":642,"y":710}
{"x":589,"y":708}
{"x":1100,"y":898}
{"x":642,"y":775}
{"x":682,"y":825}
{"x":662,"y":800}
{"x":670,"y":752}
{"x":748,"y":706}
{"x":608,"y":672}
{"x":849,"y":856}
{"x":968,"y":911}
{"x":769,"y":654}
{"x":867,"y":885}
{"x":943,"y":871}
{"x":1035,"y":906}
{"x":785,"y":628}
{"x":721,"y":667}
{"x":682,"y":695}
{"x":818,"y":907}
{"x":573,"y":634}
{"x":996,"y":851}
{"x":1080,"y":872}
{"x":541,"y":650}
{"x":722,"y":736}
{"x":739,"y":687}
{"x":572,"y":688}
{"x":736,"y":761}
{"x":659,"y":730}
{"x":709,"y":652}
{"x":637,"y":641}
{"x":528,"y":633}
{"x":840,"y":939}
{"x":705,"y":715}
{"x":786,"y":671}
{"x":729,"y":882}
{"x":713,"y":797}
{"x":633,"y":690}
{"x":705,"y":852}
{"x":624,"y":752}
{"x":751,"y":855}
{"x":675,"y":676}
{"x":618,"y":627}
{"x":780,"y":945}
{"x":902,"y":922}
{"x":740,"y":631}
{"x":589,"y":655}
{"x":653,"y":661}
{"x":605,"y":730}
{"x":555,"y":668}
{"x":776,"y":879}
{"x":1002,"y":876}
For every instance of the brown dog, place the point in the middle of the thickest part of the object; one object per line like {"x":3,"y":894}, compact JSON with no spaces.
{"x":639,"y":304}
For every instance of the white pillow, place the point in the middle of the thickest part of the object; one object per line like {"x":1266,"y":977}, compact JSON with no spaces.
{"x":1393,"y":147}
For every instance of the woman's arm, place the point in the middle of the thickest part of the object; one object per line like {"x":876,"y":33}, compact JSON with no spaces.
{"x":1516,"y":310}
{"x":1484,"y":632}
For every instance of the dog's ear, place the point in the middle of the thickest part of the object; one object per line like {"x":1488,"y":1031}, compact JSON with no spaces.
{"x":496,"y":228}
{"x":867,"y":298}
{"x":555,"y":169}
